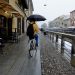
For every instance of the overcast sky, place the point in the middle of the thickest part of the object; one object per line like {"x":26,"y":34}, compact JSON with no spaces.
{"x":53,"y":8}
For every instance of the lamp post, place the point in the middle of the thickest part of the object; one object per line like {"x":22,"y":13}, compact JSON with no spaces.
{"x":45,"y":5}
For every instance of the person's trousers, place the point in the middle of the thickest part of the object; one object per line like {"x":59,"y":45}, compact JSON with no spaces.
{"x":36,"y":38}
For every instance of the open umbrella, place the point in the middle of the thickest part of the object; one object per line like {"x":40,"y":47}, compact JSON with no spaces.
{"x":36,"y":17}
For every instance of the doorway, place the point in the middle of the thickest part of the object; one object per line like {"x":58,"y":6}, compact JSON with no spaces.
{"x":3,"y":27}
{"x":9,"y":23}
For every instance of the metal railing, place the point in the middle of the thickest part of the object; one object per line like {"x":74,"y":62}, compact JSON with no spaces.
{"x":65,"y":37}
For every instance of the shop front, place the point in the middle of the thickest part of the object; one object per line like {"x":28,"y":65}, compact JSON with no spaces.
{"x":3,"y":27}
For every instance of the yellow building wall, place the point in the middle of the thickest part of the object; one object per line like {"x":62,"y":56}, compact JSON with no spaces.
{"x":14,"y":5}
{"x":14,"y":24}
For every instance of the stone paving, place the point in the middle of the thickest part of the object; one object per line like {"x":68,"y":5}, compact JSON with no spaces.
{"x":16,"y":61}
{"x":52,"y":61}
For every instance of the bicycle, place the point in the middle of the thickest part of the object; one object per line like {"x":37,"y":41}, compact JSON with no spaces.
{"x":32,"y":47}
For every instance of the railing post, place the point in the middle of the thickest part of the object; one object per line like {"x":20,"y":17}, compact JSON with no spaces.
{"x":62,"y":44}
{"x":56,"y":38}
{"x":73,"y":53}
{"x":50,"y":36}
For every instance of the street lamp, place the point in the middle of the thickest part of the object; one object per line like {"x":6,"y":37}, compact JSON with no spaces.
{"x":45,"y":5}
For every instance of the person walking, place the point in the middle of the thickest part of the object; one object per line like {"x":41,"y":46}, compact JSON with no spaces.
{"x":32,"y":33}
{"x":36,"y":32}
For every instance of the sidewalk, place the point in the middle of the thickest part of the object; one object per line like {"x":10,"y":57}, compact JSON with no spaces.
{"x":17,"y":62}
{"x":52,"y":61}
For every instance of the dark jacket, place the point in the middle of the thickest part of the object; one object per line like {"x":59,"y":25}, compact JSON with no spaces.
{"x":30,"y":31}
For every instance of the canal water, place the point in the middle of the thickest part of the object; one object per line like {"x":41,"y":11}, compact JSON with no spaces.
{"x":66,"y":48}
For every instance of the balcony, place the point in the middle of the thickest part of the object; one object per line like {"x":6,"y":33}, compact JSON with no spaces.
{"x":7,"y":1}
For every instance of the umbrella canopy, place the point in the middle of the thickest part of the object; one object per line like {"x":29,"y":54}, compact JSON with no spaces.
{"x":36,"y":18}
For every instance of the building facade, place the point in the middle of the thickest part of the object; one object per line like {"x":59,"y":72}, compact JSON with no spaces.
{"x":66,"y":23}
{"x":60,"y":22}
{"x":13,"y":15}
{"x":72,"y":18}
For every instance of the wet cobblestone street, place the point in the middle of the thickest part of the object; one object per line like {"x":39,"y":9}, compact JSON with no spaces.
{"x":52,"y":62}
{"x":16,"y":61}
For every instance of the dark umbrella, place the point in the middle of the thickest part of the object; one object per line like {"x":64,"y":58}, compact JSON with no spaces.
{"x":36,"y":18}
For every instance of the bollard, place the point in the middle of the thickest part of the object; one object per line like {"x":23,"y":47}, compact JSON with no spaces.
{"x":73,"y":53}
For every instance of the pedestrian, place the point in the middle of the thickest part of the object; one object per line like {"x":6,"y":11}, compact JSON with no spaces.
{"x":36,"y":32}
{"x":32,"y":31}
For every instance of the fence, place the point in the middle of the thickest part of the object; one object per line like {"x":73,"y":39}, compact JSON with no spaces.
{"x":65,"y":37}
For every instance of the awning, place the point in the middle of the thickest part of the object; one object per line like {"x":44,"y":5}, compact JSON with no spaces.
{"x":16,"y":14}
{"x":5,"y":6}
